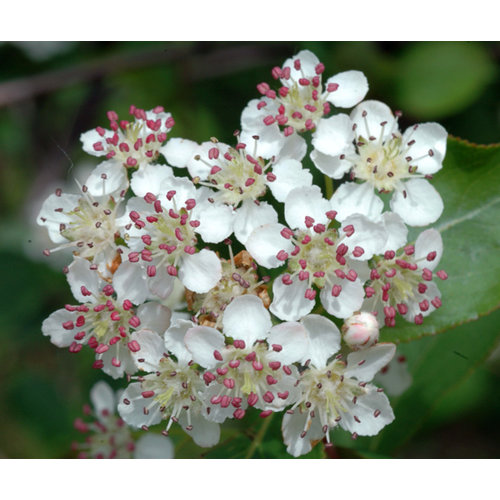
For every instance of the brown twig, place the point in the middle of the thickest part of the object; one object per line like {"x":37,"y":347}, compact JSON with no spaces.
{"x":220,"y":61}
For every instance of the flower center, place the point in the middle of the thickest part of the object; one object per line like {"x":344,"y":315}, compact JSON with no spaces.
{"x":239,"y":176}
{"x":398,"y":285}
{"x":133,"y":143}
{"x":92,"y":226}
{"x":248,"y":374}
{"x":382,"y":165}
{"x":319,"y":255}
{"x":108,"y":437}
{"x":174,"y":388}
{"x":302,"y":106}
{"x":170,"y":234}
{"x":325,"y":391}
{"x":300,"y":103}
{"x":103,"y":325}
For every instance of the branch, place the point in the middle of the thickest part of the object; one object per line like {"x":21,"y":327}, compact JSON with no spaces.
{"x":219,"y":62}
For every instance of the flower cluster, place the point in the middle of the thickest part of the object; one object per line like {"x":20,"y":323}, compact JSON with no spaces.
{"x":107,"y":435}
{"x":157,"y":216}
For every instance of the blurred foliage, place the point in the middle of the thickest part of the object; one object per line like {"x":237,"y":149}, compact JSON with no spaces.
{"x":49,"y":95}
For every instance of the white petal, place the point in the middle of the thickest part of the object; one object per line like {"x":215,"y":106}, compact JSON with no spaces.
{"x":250,"y":216}
{"x":421,"y":206}
{"x":289,"y":301}
{"x":428,"y":241}
{"x":430,"y":294}
{"x":324,"y":339}
{"x":292,"y":427}
{"x":395,"y":377}
{"x":289,"y":175}
{"x":184,"y":190}
{"x":305,"y":201}
{"x":271,"y":140}
{"x":174,"y":340}
{"x":133,"y":413}
{"x":201,"y":271}
{"x":216,"y":221}
{"x":161,"y":284}
{"x":115,"y":181}
{"x":92,"y":137}
{"x":80,"y":274}
{"x":349,"y":300}
{"x":217,"y":413}
{"x":202,"y":342}
{"x":360,"y":267}
{"x":352,"y":198}
{"x":265,"y":242}
{"x":332,"y":166}
{"x":149,"y":178}
{"x":334,"y":135}
{"x":204,"y":433}
{"x":52,"y":327}
{"x":52,"y":216}
{"x":196,"y":163}
{"x":102,"y":398}
{"x":352,"y":88}
{"x":151,"y":350}
{"x":427,"y":136}
{"x":370,"y":125}
{"x":308,"y":62}
{"x":294,"y":146}
{"x":153,"y":446}
{"x":364,"y":364}
{"x":154,"y":316}
{"x":121,"y":352}
{"x":178,"y":152}
{"x":163,"y":116}
{"x":292,"y":337}
{"x":365,"y":408}
{"x":368,"y":235}
{"x":246,"y":318}
{"x":129,"y":282}
{"x":396,"y":229}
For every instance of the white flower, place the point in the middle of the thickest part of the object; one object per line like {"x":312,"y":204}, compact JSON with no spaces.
{"x":370,"y":146}
{"x":403,"y":283}
{"x":238,"y":176}
{"x":334,"y":392}
{"x":109,"y":437}
{"x":171,"y":389}
{"x":317,"y":255}
{"x":301,"y":101}
{"x":130,"y":144}
{"x":87,"y":222}
{"x":255,"y":370}
{"x":361,"y":330}
{"x":106,"y":316}
{"x":163,"y":233}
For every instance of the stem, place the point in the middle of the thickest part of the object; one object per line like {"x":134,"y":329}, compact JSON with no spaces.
{"x":259,"y":437}
{"x":328,"y":187}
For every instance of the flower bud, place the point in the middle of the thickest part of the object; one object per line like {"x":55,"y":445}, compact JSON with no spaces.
{"x":361,"y":330}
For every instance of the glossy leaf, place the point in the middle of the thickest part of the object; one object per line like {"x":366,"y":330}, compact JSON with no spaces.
{"x":469,"y":185}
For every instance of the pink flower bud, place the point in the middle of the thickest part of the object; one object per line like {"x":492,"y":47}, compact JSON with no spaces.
{"x":361,"y":330}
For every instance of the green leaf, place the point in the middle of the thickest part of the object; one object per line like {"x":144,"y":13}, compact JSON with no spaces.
{"x":436,"y":79}
{"x":438,"y":365}
{"x":468,"y":184}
